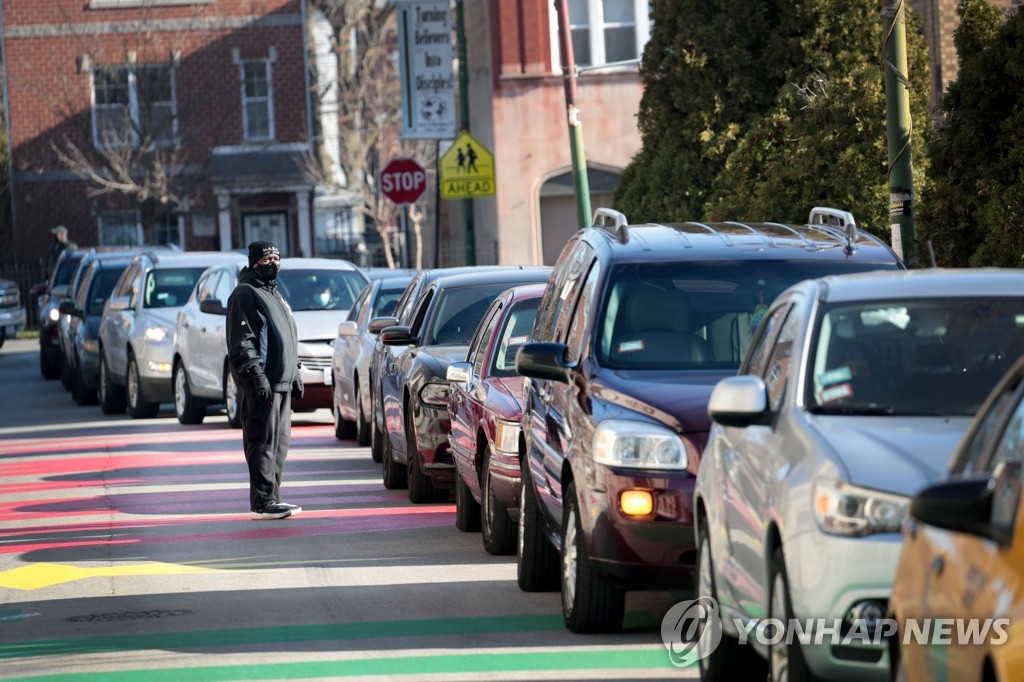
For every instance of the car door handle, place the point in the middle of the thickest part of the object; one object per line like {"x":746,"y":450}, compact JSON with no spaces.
{"x":938,"y":565}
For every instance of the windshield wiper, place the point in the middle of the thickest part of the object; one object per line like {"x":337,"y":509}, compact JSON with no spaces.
{"x":875,"y":409}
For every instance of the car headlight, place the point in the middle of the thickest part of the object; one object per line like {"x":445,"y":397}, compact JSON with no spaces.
{"x":844,"y":509}
{"x":624,"y":443}
{"x":506,"y":437}
{"x":156,"y":334}
{"x":435,"y":395}
{"x":54,"y":314}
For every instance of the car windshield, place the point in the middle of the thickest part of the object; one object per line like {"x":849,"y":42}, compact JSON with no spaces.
{"x":101,"y":288}
{"x":694,"y":315}
{"x":320,"y":288}
{"x":385,"y":303}
{"x":516,"y":332}
{"x":915,"y":357}
{"x":169,"y":287}
{"x":458,"y":312}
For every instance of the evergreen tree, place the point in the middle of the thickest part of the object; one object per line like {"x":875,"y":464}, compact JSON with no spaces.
{"x":973,"y":208}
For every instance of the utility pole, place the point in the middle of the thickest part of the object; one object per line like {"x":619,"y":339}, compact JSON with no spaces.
{"x":580,"y":182}
{"x":899,"y":125}
{"x":467,"y":204}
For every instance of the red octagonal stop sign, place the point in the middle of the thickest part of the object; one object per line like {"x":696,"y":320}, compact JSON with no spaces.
{"x":403,"y":180}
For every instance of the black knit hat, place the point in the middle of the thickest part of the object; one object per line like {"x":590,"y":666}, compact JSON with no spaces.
{"x":260,"y":249}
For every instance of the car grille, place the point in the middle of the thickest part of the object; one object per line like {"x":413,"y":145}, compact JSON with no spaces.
{"x":313,"y":363}
{"x":9,"y":298}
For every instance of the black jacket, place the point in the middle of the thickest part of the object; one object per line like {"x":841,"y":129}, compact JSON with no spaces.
{"x":261,"y":334}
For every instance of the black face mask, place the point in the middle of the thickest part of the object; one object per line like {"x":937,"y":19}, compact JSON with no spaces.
{"x":267,"y":272}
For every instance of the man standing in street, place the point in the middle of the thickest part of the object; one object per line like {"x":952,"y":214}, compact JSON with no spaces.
{"x":263,"y":352}
{"x":60,"y":242}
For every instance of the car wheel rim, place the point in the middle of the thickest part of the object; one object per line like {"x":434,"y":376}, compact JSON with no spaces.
{"x":133,"y":385}
{"x":485,"y":500}
{"x":230,"y":397}
{"x":521,"y":542}
{"x":179,"y":391}
{"x":569,"y":562}
{"x":779,"y":653}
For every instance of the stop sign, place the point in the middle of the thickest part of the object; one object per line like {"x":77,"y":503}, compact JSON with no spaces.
{"x":403,"y":180}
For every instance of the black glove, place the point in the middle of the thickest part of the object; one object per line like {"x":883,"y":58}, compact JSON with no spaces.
{"x":297,"y":388}
{"x":262,"y":386}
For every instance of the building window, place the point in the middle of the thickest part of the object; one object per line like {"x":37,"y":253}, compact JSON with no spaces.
{"x":123,"y":228}
{"x":607,"y":31}
{"x":134,"y":106}
{"x":257,"y":104}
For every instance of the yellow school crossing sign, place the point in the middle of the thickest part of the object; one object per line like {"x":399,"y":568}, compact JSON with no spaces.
{"x":467,"y":169}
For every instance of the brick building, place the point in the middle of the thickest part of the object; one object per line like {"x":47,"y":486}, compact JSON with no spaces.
{"x":159,"y":121}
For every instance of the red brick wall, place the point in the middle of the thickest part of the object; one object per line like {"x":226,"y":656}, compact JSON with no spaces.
{"x":521,"y":31}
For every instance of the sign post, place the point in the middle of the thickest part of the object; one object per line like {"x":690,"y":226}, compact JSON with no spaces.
{"x":403,"y":181}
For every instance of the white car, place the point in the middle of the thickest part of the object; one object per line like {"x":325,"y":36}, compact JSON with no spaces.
{"x":320,"y":292}
{"x":137,"y":328}
{"x":353,"y":350}
{"x":853,"y":396}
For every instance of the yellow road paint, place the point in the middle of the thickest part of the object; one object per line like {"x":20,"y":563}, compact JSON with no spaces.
{"x":36,"y":576}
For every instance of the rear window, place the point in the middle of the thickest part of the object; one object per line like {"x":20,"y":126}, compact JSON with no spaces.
{"x":101,"y":288}
{"x":458,"y":313}
{"x":324,"y":289}
{"x":169,"y":288}
{"x":695,"y":315}
{"x":516,"y":332}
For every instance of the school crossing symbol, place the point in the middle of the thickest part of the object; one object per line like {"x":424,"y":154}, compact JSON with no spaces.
{"x":467,"y":169}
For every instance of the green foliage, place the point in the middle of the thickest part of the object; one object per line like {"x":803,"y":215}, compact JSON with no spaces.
{"x":972,"y":210}
{"x":804,"y":126}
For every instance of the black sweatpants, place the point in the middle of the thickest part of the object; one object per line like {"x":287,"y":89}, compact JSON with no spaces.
{"x":266,"y":435}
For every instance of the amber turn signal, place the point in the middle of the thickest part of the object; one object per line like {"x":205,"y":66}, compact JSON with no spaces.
{"x":636,"y":502}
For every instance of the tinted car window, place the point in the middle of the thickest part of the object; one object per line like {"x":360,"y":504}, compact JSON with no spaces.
{"x":476,"y":351}
{"x":320,"y":289}
{"x":385,"y":303}
{"x":100,"y":289}
{"x":650,"y":310}
{"x":928,"y":356}
{"x":170,"y":287}
{"x":581,"y":318}
{"x":66,"y":269}
{"x":459,"y":312}
{"x":759,"y":351}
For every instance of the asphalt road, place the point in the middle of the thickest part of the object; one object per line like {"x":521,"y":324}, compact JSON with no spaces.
{"x":127,"y":554}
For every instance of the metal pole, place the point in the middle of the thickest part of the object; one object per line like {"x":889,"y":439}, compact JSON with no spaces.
{"x":899,"y":125}
{"x":580,"y":182}
{"x":467,"y":204}
{"x":403,"y":235}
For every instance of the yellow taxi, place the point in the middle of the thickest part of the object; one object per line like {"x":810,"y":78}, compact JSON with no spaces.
{"x":958,"y":596}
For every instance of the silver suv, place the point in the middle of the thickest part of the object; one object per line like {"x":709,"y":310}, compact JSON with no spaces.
{"x":137,"y":329}
{"x":853,"y":396}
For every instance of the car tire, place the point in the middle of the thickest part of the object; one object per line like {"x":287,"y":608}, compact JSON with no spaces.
{"x":49,"y":368}
{"x":232,"y":401}
{"x":499,"y":530}
{"x":66,"y":378}
{"x":785,"y":661}
{"x":112,"y":397}
{"x":376,"y":442}
{"x":537,"y":561}
{"x":82,"y":394}
{"x":467,"y":510}
{"x":189,"y":409}
{"x":395,"y":474}
{"x":729,"y":660}
{"x":343,"y":429}
{"x":138,"y":406}
{"x":362,"y":424}
{"x":590,"y":601}
{"x":421,"y":487}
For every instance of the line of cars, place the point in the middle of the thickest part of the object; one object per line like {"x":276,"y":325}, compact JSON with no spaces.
{"x":747,"y":408}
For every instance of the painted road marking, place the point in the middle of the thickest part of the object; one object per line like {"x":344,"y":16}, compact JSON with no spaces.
{"x":36,"y":576}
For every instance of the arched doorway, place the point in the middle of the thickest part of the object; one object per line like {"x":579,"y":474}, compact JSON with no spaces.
{"x":558,"y":207}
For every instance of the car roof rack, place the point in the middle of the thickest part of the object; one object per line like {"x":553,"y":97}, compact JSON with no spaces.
{"x":824,"y":217}
{"x":613,"y":221}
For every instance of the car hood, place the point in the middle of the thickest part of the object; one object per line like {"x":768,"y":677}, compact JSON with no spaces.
{"x":164,"y":317}
{"x":319,"y":325}
{"x":894,"y":454}
{"x":437,"y":358}
{"x":676,"y":398}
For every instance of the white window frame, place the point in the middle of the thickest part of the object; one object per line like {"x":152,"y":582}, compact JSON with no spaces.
{"x":134,"y":108}
{"x":597,"y":26}
{"x":174,"y":221}
{"x":268,"y":100}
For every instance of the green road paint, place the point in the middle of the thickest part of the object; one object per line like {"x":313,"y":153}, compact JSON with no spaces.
{"x":204,"y":639}
{"x":630,"y":659}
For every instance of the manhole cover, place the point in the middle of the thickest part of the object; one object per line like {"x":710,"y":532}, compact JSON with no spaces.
{"x":129,"y":615}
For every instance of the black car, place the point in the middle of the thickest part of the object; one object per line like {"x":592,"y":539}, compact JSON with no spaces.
{"x":414,"y":386}
{"x":637,"y":324}
{"x":57,"y":289}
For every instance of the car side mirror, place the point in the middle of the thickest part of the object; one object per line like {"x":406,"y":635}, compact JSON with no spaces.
{"x":459,"y":372}
{"x":66,"y":308}
{"x":397,"y":336}
{"x":347,"y":328}
{"x":963,"y":505}
{"x":544,"y":360}
{"x":378,"y":324}
{"x":739,"y":401}
{"x":212,"y":306}
{"x":118,"y":303}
